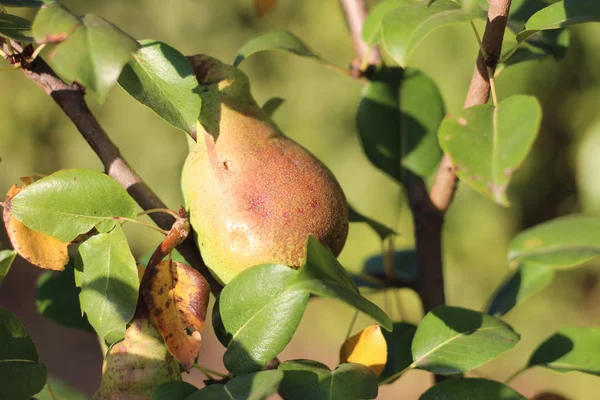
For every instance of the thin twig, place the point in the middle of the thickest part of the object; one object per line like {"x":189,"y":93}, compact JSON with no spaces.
{"x":356,"y":13}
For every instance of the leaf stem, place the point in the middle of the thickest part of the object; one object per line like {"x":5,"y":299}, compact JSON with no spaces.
{"x":37,"y":52}
{"x":335,"y":68}
{"x":515,"y":374}
{"x":492,"y":86}
{"x":15,"y":67}
{"x":156,"y":210}
{"x":208,"y":372}
{"x":397,"y":374}
{"x":52,"y":396}
{"x":135,"y":221}
{"x":352,"y":324}
{"x":479,"y":42}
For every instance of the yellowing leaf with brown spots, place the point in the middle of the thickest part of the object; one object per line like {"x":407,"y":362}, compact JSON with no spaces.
{"x":37,"y":248}
{"x":177,"y":298}
{"x":367,"y":347}
{"x":263,"y":7}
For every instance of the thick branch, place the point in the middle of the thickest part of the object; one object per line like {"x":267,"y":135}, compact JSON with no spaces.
{"x":71,"y":99}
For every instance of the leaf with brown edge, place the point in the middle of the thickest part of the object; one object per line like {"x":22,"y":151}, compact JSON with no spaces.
{"x":367,"y":347}
{"x":39,"y":249}
{"x":264,"y":7}
{"x":177,"y":298}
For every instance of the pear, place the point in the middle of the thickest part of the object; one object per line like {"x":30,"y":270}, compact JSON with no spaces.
{"x":253,"y":194}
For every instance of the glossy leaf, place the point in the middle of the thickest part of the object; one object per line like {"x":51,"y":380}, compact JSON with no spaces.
{"x":54,"y":24}
{"x":161,"y":78}
{"x":39,"y":249}
{"x":6,"y":259}
{"x":26,"y":3}
{"x":94,"y":55}
{"x":397,"y":119}
{"x":487,"y":144}
{"x":282,"y":40}
{"x":108,"y":278}
{"x":71,"y":202}
{"x":570,"y":349}
{"x":57,"y":298}
{"x":444,"y":335}
{"x":371,"y":32}
{"x":405,"y":27}
{"x":257,"y":315}
{"x":399,"y":356}
{"x":61,"y":390}
{"x":324,"y":276}
{"x":561,"y":14}
{"x":136,"y":366}
{"x":272,"y":105}
{"x":17,"y":28}
{"x":367,"y":347}
{"x":256,"y":386}
{"x":21,"y":379}
{"x":382,"y":230}
{"x":471,"y":388}
{"x":174,"y":390}
{"x":527,"y":280}
{"x":560,"y":243}
{"x":307,"y":379}
{"x":177,"y":298}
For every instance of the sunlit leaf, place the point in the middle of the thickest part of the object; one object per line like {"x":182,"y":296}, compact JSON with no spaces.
{"x":371,"y":32}
{"x":256,"y":386}
{"x":524,"y":282}
{"x":444,"y":334}
{"x":560,"y":243}
{"x":108,"y":278}
{"x":136,"y":366}
{"x":6,"y":259}
{"x":177,"y":298}
{"x":17,"y":28}
{"x":399,"y":355}
{"x":38,"y":248}
{"x":570,"y":349}
{"x":471,"y":388}
{"x":161,"y":78}
{"x":282,"y":40}
{"x":71,"y":202}
{"x":257,"y":315}
{"x":54,"y":24}
{"x":487,"y":144}
{"x":307,"y":379}
{"x":367,"y":347}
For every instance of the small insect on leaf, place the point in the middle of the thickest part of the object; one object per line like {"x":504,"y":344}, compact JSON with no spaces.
{"x":39,"y":249}
{"x":367,"y":347}
{"x":177,"y":298}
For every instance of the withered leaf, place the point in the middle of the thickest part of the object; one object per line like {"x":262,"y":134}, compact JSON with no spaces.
{"x":263,"y":7}
{"x":39,"y":249}
{"x":136,"y":366}
{"x":177,"y":298}
{"x":367,"y":347}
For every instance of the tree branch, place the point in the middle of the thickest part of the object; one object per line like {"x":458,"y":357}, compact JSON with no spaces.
{"x":356,"y":13}
{"x":70,"y":99}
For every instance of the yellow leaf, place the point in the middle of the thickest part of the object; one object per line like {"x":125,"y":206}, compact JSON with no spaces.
{"x":263,"y":7}
{"x":367,"y":347}
{"x":136,"y":366}
{"x":177,"y":298}
{"x":37,"y":248}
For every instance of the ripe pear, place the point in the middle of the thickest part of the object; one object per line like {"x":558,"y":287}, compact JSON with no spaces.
{"x":253,"y":194}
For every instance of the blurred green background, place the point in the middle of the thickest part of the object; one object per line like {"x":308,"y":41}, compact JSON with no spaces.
{"x":561,"y":176}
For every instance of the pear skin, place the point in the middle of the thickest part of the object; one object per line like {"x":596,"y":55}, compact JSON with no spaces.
{"x":253,"y":194}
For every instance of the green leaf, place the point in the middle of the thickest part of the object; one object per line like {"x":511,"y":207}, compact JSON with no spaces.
{"x":174,"y":390}
{"x":561,"y":14}
{"x":257,"y":315}
{"x":6,"y":259}
{"x":61,"y":390}
{"x":487,"y":144}
{"x":397,"y":119}
{"x":282,"y":40}
{"x":161,"y":78}
{"x":373,"y":273}
{"x":54,"y":24}
{"x":108,"y":278}
{"x":71,"y":202}
{"x":445,"y":332}
{"x":405,"y":27}
{"x":324,"y":276}
{"x":26,"y":3}
{"x":307,"y":379}
{"x":382,"y":230}
{"x":399,"y":355}
{"x":21,"y":379}
{"x":94,"y":55}
{"x":471,"y":388}
{"x":524,"y":282}
{"x":256,"y":386}
{"x":272,"y":105}
{"x":371,"y":32}
{"x":17,"y":28}
{"x":570,"y":349}
{"x":560,"y":243}
{"x":15,"y":342}
{"x":57,"y":298}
